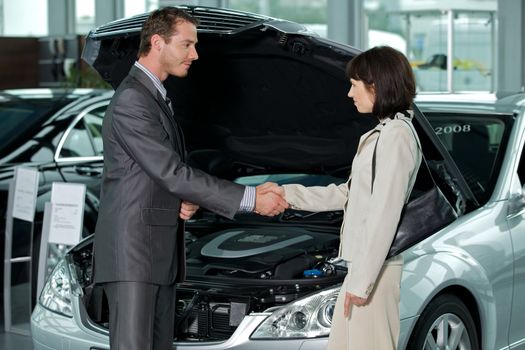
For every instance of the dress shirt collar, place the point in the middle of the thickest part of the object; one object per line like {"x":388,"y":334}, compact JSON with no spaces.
{"x":156,"y":81}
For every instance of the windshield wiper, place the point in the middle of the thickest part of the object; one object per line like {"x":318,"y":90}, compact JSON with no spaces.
{"x":324,"y":216}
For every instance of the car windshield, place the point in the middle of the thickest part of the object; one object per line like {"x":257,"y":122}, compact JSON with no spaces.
{"x":477,"y":144}
{"x":282,"y":179}
{"x":22,"y":117}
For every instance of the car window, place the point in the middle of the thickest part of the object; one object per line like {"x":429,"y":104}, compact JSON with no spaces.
{"x":93,"y":122}
{"x":85,"y":139}
{"x":21,"y":119}
{"x":477,"y":145}
{"x":282,"y":179}
{"x":521,"y":168}
{"x":78,"y":143}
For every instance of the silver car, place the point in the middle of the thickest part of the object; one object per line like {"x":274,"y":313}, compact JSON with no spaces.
{"x":267,"y":101}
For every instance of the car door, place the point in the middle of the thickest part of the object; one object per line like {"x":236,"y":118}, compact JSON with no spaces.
{"x":478,"y":143}
{"x":516,"y":222}
{"x":79,"y":158}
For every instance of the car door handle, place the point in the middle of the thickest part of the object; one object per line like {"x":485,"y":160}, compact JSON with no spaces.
{"x":87,"y":170}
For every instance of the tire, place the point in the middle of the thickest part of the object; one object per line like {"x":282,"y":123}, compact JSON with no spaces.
{"x":446,"y":323}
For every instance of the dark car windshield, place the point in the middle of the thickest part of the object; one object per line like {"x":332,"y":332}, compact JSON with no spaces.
{"x":282,"y":179}
{"x":477,"y":144}
{"x":21,"y":118}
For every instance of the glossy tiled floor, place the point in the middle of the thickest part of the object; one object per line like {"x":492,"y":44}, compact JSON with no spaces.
{"x":12,"y":341}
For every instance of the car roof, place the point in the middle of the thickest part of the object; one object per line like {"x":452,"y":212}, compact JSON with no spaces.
{"x":482,"y":103}
{"x":50,"y":93}
{"x":70,"y":99}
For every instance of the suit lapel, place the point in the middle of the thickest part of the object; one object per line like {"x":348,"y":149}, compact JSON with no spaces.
{"x":174,"y":127}
{"x":166,"y":118}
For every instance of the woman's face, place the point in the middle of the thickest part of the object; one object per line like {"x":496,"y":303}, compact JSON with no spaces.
{"x":364,"y":98}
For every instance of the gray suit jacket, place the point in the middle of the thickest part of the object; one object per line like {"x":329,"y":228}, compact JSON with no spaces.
{"x":370,"y":220}
{"x":139,"y":236}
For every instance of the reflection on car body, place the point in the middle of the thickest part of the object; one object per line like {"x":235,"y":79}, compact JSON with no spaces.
{"x":266,"y":101}
{"x":56,"y":131}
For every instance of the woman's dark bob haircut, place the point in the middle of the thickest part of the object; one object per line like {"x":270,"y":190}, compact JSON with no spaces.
{"x":387,"y":73}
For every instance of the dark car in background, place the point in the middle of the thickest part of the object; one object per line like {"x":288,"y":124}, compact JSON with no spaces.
{"x":58,"y":132}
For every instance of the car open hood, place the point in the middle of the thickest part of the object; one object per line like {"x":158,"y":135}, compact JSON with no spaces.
{"x":265,"y":96}
{"x":264,"y":93}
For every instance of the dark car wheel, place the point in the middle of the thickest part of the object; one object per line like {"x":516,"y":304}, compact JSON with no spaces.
{"x":446,"y":323}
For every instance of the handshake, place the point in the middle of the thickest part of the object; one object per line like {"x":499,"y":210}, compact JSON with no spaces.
{"x":269,"y":199}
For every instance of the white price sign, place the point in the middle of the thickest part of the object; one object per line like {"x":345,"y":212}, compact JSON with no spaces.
{"x":25,"y":193}
{"x":66,"y":213}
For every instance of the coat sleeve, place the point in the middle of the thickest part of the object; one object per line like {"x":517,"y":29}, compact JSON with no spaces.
{"x":397,"y":158}
{"x":317,"y":198}
{"x":141,"y":134}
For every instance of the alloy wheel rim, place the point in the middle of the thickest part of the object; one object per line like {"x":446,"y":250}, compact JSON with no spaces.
{"x":448,"y":332}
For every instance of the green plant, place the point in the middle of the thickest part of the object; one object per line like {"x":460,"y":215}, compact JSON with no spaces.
{"x":84,"y":77}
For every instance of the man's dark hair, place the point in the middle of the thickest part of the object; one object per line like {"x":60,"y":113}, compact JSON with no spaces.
{"x":388,"y":73}
{"x":162,"y":22}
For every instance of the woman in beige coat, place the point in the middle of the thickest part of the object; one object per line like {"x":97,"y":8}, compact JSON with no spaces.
{"x":366,"y":314}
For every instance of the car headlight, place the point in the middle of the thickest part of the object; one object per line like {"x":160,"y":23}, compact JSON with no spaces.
{"x":304,"y":318}
{"x":56,"y":294}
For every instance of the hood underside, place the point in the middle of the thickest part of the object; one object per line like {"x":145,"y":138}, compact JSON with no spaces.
{"x":264,"y":105}
{"x":265,"y":96}
{"x":258,"y":98}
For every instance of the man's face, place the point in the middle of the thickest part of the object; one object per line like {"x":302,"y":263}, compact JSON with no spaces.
{"x":177,"y":55}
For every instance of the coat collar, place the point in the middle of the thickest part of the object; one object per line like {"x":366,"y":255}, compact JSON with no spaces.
{"x":382,"y":124}
{"x":399,"y":115}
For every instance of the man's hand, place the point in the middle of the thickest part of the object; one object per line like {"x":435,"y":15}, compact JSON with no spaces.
{"x":351,"y":299}
{"x":187,"y":209}
{"x":269,"y":200}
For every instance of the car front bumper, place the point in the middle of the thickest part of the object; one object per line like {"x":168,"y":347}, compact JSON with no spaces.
{"x":51,"y":331}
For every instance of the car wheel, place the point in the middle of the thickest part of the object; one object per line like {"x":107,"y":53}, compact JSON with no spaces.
{"x":446,"y":323}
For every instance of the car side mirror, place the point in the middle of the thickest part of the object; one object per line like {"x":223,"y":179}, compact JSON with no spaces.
{"x":516,"y":199}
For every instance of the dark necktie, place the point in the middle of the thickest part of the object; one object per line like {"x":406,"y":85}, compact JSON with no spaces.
{"x":179,"y":130}
{"x":168,"y":102}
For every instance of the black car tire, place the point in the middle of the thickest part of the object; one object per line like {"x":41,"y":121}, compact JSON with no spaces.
{"x":446,"y":323}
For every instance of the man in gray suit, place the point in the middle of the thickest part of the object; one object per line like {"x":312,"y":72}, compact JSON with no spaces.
{"x":148,"y":190}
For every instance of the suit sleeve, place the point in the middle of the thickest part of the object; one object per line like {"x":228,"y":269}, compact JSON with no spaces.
{"x":317,"y":198}
{"x":396,"y":161}
{"x":141,"y":134}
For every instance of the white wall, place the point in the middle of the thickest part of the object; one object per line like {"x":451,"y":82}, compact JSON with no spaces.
{"x":24,"y":18}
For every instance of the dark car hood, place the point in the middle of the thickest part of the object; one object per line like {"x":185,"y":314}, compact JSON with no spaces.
{"x":265,"y":95}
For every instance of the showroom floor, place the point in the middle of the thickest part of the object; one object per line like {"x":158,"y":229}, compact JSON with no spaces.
{"x":20,"y":322}
{"x":12,"y":341}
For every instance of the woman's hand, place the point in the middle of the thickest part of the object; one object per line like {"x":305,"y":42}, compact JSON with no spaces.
{"x":351,"y":299}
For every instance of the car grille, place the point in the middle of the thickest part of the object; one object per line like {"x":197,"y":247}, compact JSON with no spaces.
{"x":210,"y":322}
{"x":210,"y":20}
{"x":201,"y":318}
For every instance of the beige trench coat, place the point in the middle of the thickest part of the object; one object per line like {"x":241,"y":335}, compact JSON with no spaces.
{"x":370,"y":219}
